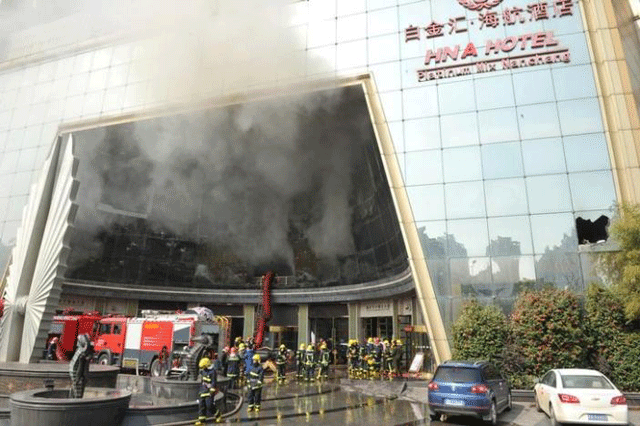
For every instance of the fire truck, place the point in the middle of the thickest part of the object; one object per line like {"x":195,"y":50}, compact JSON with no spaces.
{"x":135,"y":343}
{"x":67,"y":327}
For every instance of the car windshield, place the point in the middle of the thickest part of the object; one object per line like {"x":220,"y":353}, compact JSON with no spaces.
{"x":585,"y":382}
{"x":457,"y":374}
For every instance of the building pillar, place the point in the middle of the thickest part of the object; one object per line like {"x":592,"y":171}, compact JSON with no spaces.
{"x":355,"y":331}
{"x":249,"y":312}
{"x":395,"y":331}
{"x":303,"y":324}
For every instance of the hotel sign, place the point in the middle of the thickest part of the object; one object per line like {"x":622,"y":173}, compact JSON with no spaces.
{"x":524,"y":50}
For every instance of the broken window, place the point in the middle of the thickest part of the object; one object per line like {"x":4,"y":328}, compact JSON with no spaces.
{"x":592,"y":232}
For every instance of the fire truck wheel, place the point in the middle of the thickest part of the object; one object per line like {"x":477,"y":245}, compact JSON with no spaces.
{"x":104,"y":359}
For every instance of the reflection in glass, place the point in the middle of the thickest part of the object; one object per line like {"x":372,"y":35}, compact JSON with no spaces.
{"x":439,"y":272}
{"x":561,"y":269}
{"x":506,"y":197}
{"x":423,"y":167}
{"x":433,"y":238}
{"x":543,"y":156}
{"x":592,"y":190}
{"x":548,"y":194}
{"x":420,"y":102}
{"x":580,"y":116}
{"x":459,"y":129}
{"x":501,"y":160}
{"x":14,"y":210}
{"x":554,"y":232}
{"x":512,"y":274}
{"x":427,"y":202}
{"x":467,"y":237}
{"x":498,"y":125}
{"x":471,"y":277}
{"x":538,"y":121}
{"x":464,"y":200}
{"x":462,"y":164}
{"x":510,"y":235}
{"x":586,"y":152}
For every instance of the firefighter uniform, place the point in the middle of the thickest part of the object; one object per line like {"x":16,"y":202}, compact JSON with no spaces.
{"x":208,"y":389}
{"x":352,"y":354}
{"x":324,"y":362}
{"x":310,"y":362}
{"x":300,"y":361}
{"x":255,"y":377}
{"x":281,"y":363}
{"x":387,"y":360}
{"x":233,"y":368}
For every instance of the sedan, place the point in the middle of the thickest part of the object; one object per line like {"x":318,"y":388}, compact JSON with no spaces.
{"x":580,"y":396}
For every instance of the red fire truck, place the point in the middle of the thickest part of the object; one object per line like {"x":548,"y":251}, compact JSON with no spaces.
{"x":67,"y":327}
{"x":136,"y":342}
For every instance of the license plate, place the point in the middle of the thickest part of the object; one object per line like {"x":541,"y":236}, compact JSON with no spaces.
{"x":597,"y":417}
{"x":455,"y":402}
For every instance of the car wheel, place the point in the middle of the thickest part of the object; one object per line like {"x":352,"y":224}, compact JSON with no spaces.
{"x":104,"y":359}
{"x":154,"y":370}
{"x":509,"y":402}
{"x":535,"y":399}
{"x":493,"y":414}
{"x":552,"y":417}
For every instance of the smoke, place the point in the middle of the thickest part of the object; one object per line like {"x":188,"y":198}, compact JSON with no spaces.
{"x":243,"y":176}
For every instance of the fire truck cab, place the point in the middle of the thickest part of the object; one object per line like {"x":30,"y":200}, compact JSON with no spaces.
{"x":136,"y":342}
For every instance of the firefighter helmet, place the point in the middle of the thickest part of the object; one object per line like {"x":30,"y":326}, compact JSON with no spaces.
{"x":242,"y":346}
{"x":370,"y":340}
{"x":309,"y":347}
{"x":204,"y":363}
{"x":386,"y":342}
{"x":302,"y":346}
{"x":283,"y":346}
{"x":256,"y":357}
{"x":399,"y":342}
{"x":323,"y":346}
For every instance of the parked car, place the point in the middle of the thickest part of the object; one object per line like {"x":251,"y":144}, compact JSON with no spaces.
{"x":580,"y":396}
{"x":469,"y":388}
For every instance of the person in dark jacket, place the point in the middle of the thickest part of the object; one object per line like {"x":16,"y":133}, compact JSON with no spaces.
{"x":255,"y":378}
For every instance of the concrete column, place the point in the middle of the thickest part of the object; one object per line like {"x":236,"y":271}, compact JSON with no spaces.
{"x":355,"y":331}
{"x":249,"y":312}
{"x":304,"y":333}
{"x":394,"y":319}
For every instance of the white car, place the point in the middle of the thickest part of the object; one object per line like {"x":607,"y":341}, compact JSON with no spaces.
{"x":580,"y":396}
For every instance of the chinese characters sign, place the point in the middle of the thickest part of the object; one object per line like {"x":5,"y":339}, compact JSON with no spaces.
{"x":528,"y":49}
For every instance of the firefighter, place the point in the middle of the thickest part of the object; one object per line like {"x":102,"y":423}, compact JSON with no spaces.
{"x":242,"y":353}
{"x":387,"y":364}
{"x":300,"y":361}
{"x":281,"y":363}
{"x":255,"y":376}
{"x":352,"y":355}
{"x":310,"y":362}
{"x":233,"y":368}
{"x":362,"y":362}
{"x":237,"y":341}
{"x":396,"y":356}
{"x":224,"y":361}
{"x":376,"y":356}
{"x":206,"y":402}
{"x":324,"y":362}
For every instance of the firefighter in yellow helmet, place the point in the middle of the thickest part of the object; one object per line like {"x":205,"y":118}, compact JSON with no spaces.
{"x":300,"y":361}
{"x":208,"y":390}
{"x":323,"y":361}
{"x":281,"y":364}
{"x":310,"y":362}
{"x":255,"y":377}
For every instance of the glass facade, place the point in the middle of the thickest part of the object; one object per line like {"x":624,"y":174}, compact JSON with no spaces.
{"x":215,"y":199}
{"x":497,"y":165}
